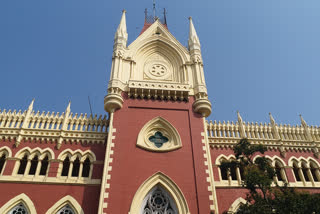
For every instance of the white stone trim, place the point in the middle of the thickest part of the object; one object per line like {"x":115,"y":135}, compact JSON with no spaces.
{"x":209,"y":170}
{"x":22,"y":198}
{"x":236,"y":204}
{"x":165,"y":182}
{"x":166,"y":128}
{"x":73,"y":203}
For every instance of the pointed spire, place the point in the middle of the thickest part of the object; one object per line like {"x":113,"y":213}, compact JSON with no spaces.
{"x":241,"y":127}
{"x":239,"y":117}
{"x":275,"y":129}
{"x":68,"y":109}
{"x":193,"y":42}
{"x":31,"y":106}
{"x":121,"y":35}
{"x":306,"y":128}
{"x":303,"y":122}
{"x":273,"y":122}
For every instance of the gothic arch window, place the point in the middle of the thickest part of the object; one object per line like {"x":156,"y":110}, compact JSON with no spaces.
{"x":21,"y":204}
{"x":296,"y":172}
{"x":66,"y":210}
{"x":159,"y":194}
{"x":65,"y":167}
{"x":33,"y":162}
{"x":280,"y":172}
{"x":76,"y":167}
{"x":44,"y":165}
{"x":159,"y":135}
{"x":76,"y":164}
{"x":86,"y":168}
{"x":2,"y":162}
{"x":315,"y":171}
{"x":158,"y":201}
{"x":23,"y":165}
{"x":305,"y":173}
{"x":66,"y":205}
{"x":19,"y":209}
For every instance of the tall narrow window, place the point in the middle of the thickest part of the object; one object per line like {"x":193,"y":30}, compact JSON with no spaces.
{"x":158,"y":201}
{"x":305,"y":173}
{"x":233,"y":173}
{"x":278,"y":169}
{"x":19,"y":209}
{"x":242,"y":172}
{"x":44,"y":166}
{"x":66,"y":210}
{"x":23,"y":165}
{"x":86,"y":168}
{"x":313,"y":172}
{"x":34,"y":164}
{"x":66,"y":166}
{"x":2,"y":162}
{"x":296,"y":172}
{"x":224,"y":173}
{"x":75,"y":169}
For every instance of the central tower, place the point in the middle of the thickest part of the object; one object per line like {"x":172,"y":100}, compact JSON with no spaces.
{"x":157,"y":150}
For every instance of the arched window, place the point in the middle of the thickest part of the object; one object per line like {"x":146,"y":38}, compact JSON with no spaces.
{"x":19,"y":209}
{"x":76,"y":167}
{"x":34,"y":164}
{"x":305,"y":172}
{"x":23,"y":165}
{"x":66,"y":166}
{"x":314,"y":171}
{"x":2,"y":162}
{"x":280,"y":173}
{"x":86,"y":168}
{"x":158,"y":201}
{"x":233,"y":173}
{"x":44,"y":166}
{"x":223,"y":171}
{"x":296,"y":172}
{"x":66,"y":210}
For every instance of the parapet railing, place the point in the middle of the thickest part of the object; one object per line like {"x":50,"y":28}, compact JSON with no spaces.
{"x":54,"y":127}
{"x":281,"y":137}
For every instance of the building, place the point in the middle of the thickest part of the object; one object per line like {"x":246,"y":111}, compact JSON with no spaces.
{"x":156,"y":153}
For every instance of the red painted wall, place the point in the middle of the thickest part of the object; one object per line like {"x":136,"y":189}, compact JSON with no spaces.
{"x":132,"y":165}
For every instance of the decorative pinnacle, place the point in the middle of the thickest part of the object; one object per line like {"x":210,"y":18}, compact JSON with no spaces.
{"x":31,"y":105}
{"x":121,"y":33}
{"x":193,"y":41}
{"x":272,"y":119}
{"x":124,"y":11}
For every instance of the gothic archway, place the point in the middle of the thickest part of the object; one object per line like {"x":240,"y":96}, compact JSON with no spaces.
{"x":159,"y":192}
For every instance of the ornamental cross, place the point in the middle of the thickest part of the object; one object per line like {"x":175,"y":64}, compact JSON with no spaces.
{"x":158,"y":139}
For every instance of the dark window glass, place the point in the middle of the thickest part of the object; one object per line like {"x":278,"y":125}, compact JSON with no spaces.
{"x":66,"y":166}
{"x":305,"y":173}
{"x":44,"y":166}
{"x":313,"y":172}
{"x":242,"y":172}
{"x":34,"y":164}
{"x":2,"y":161}
{"x":233,"y":173}
{"x":23,"y":165}
{"x":224,"y":173}
{"x":76,"y":167}
{"x":278,"y":172}
{"x":296,"y":173}
{"x":86,"y":168}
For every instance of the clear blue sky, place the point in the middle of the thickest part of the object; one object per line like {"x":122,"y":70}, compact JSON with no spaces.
{"x":259,"y":56}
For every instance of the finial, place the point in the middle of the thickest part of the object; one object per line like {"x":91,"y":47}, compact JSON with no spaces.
{"x":303,"y":122}
{"x":31,"y":104}
{"x":239,"y":116}
{"x":121,"y":36}
{"x":273,"y":122}
{"x":193,"y":41}
{"x":124,"y":11}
